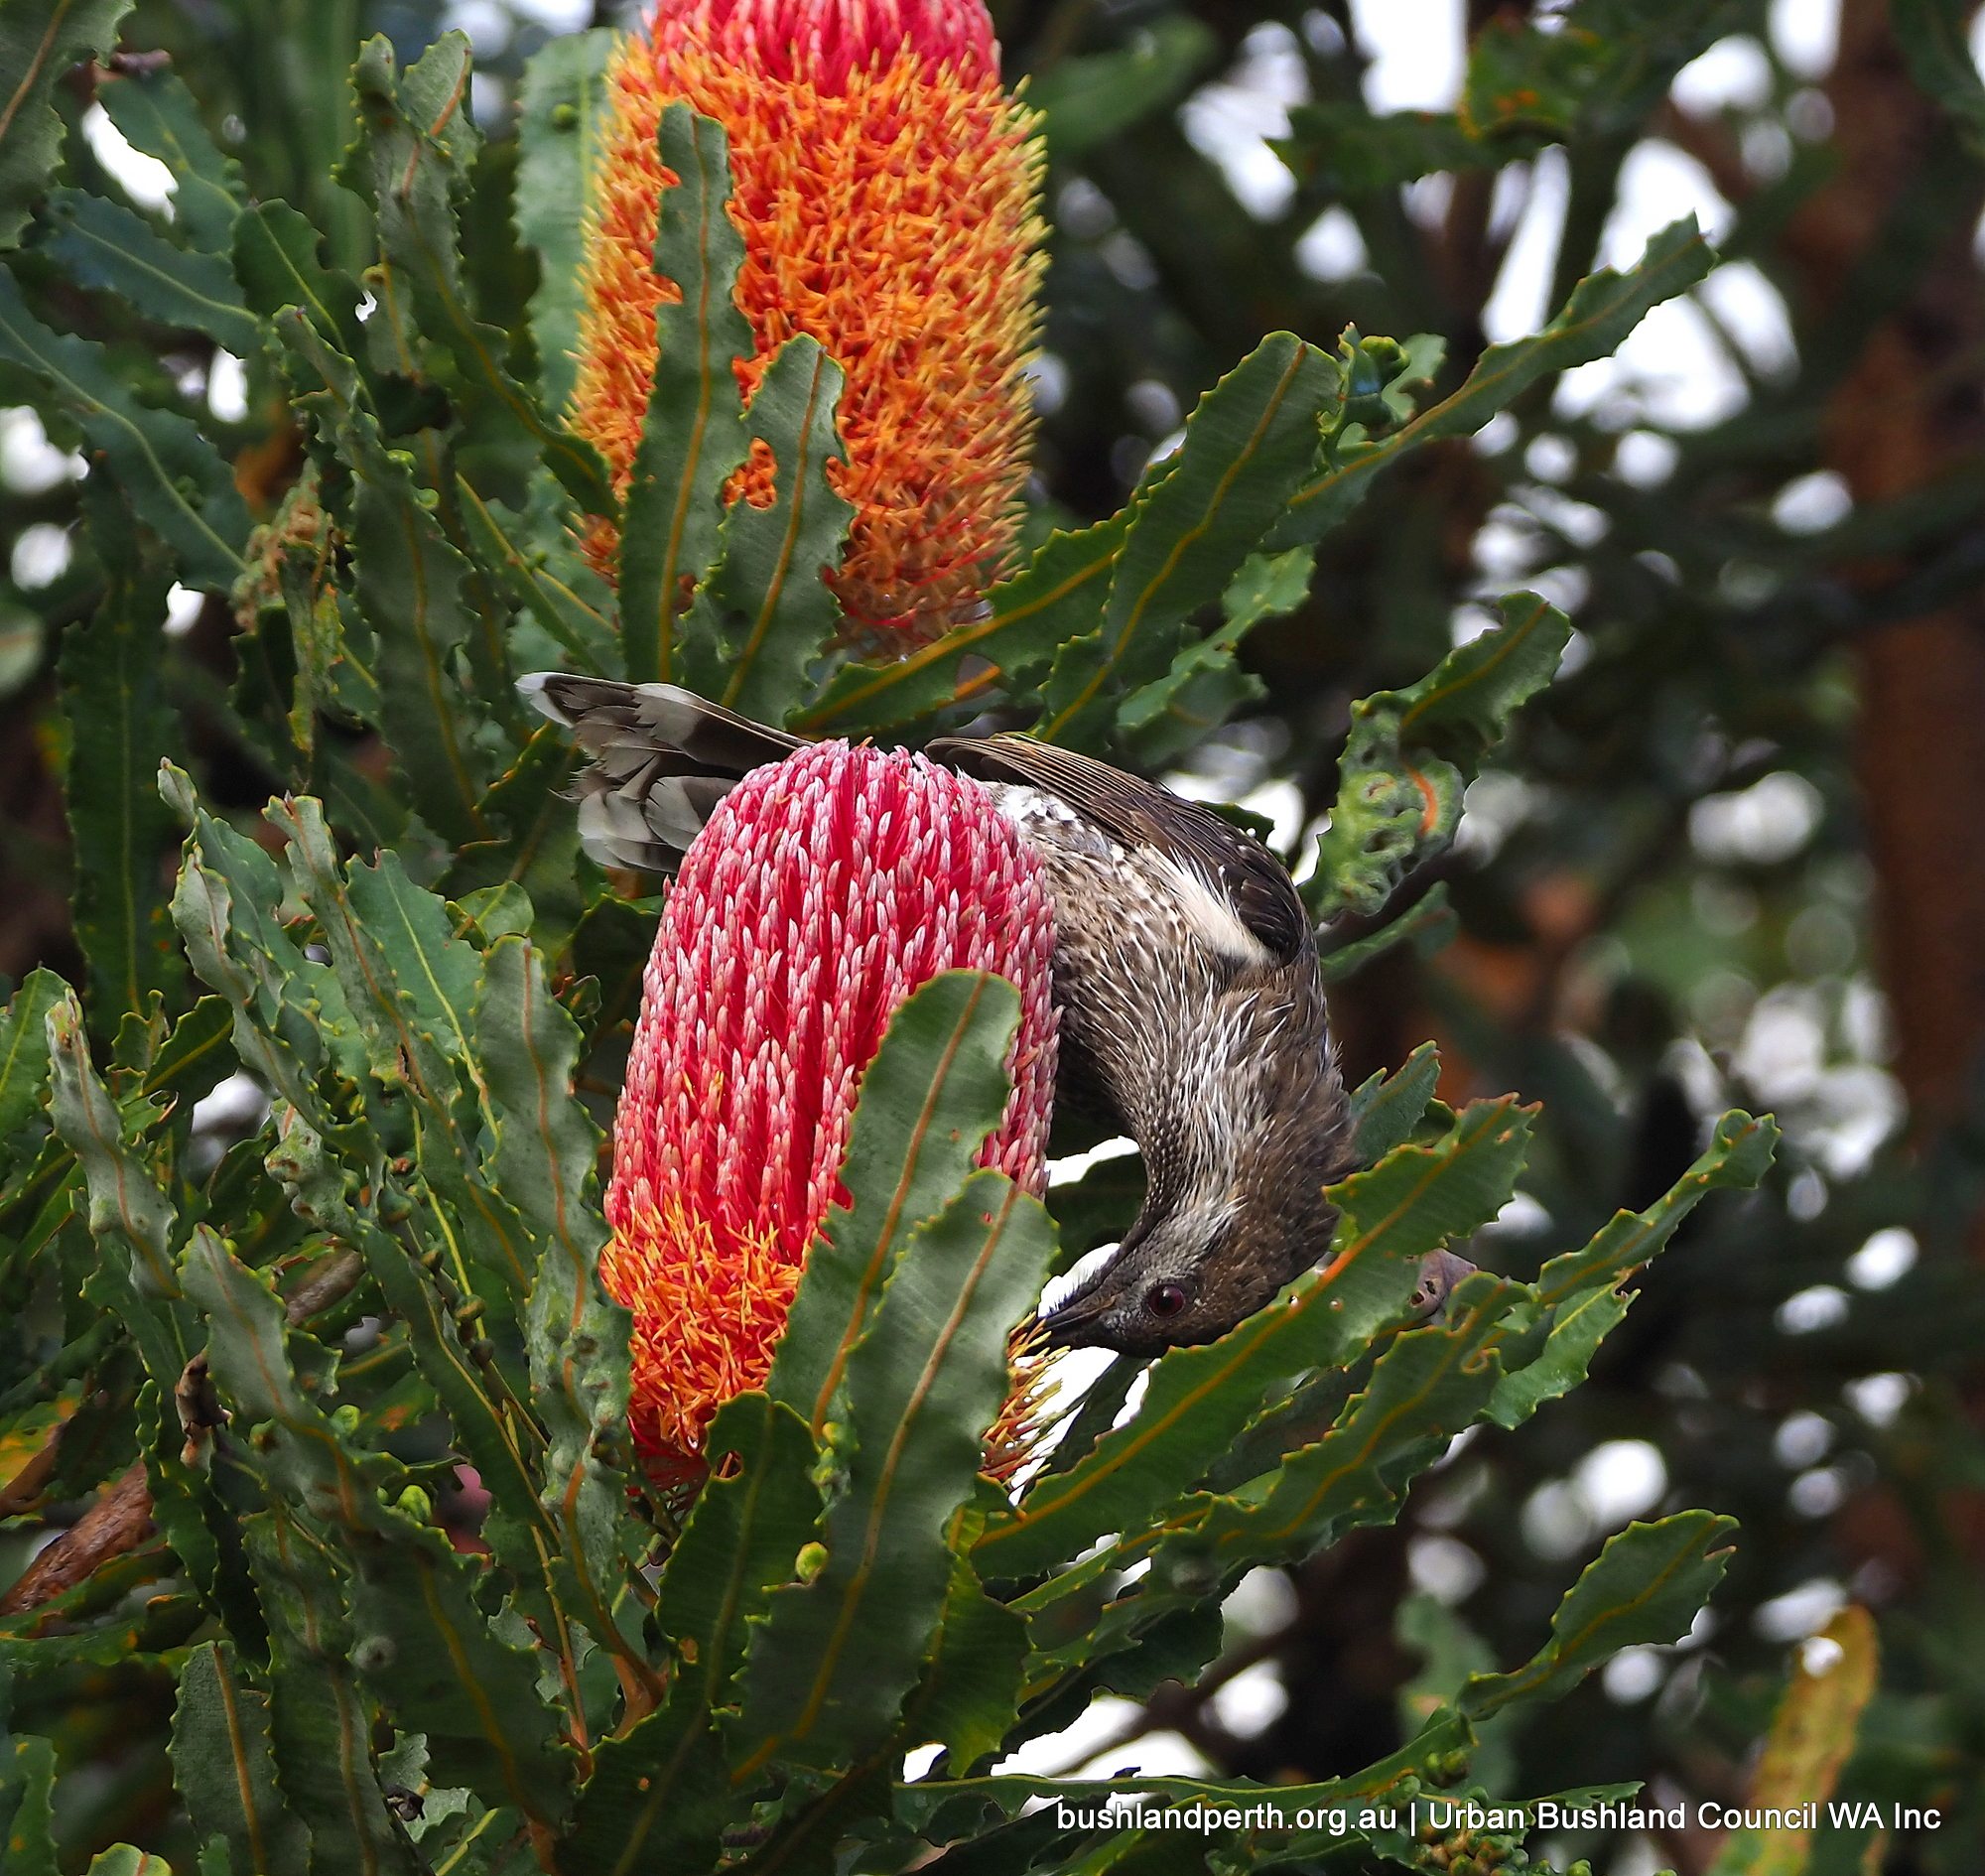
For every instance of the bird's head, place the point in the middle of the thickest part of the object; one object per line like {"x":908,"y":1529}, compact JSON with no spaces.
{"x":1193,"y":1274}
{"x":1188,"y":1275}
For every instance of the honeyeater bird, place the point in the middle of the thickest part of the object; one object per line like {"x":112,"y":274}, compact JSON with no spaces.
{"x":1185,"y":975}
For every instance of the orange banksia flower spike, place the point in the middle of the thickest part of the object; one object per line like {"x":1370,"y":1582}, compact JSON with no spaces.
{"x":823,"y":892}
{"x":886,"y":189}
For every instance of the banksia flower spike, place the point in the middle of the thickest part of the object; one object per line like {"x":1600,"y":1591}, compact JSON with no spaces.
{"x":823,"y":892}
{"x":885,"y":189}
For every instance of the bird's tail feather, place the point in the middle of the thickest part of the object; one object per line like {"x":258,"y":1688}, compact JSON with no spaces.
{"x":661,"y":759}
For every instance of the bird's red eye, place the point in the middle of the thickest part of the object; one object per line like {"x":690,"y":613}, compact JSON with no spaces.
{"x":1164,"y":1299}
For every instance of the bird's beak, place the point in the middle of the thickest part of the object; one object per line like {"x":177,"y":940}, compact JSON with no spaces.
{"x":1063,"y":1327}
{"x":1440,"y":1273}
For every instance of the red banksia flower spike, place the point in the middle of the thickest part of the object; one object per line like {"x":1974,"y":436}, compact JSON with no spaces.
{"x":886,"y":189}
{"x":823,"y":892}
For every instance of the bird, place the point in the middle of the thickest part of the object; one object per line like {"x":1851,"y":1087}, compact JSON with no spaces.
{"x":1185,"y":975}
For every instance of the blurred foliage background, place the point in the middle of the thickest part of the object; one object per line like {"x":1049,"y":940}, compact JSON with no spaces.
{"x":1732,"y":857}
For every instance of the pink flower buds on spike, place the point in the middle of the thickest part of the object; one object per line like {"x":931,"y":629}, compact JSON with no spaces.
{"x":823,"y":892}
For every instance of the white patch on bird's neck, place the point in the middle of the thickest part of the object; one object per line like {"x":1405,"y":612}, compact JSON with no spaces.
{"x":1211,"y":916}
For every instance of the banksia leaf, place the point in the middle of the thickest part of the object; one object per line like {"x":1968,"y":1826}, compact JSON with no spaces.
{"x":414,"y":156}
{"x":685,"y":424}
{"x":319,"y":1718}
{"x":157,"y":114}
{"x":1603,"y":308}
{"x":104,"y":245}
{"x":1428,"y":1386}
{"x":1644,"y":1585}
{"x":838,"y":1653}
{"x":410,"y":584}
{"x":559,"y":111}
{"x":419,"y":1639}
{"x":37,"y":47}
{"x":1199,"y":1400}
{"x":224,"y":1768}
{"x":1248,"y":447}
{"x":27,"y":1805}
{"x":1579,"y":1291}
{"x":1058,"y":595}
{"x":175,"y":481}
{"x":24,"y":1066}
{"x":935,"y":1091}
{"x":763,"y":616}
{"x":1411,"y":752}
{"x":662,"y":1793}
{"x":120,"y":729}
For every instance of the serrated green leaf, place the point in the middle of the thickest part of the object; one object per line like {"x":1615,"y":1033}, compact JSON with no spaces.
{"x":921,"y":1387}
{"x":123,"y":1860}
{"x":128,"y":1213}
{"x":1162,"y":720}
{"x":1057,"y":597}
{"x":765,"y":613}
{"x":1205,"y":686}
{"x":439,"y":1667}
{"x":120,"y":729}
{"x":500,"y":1441}
{"x":104,"y":245}
{"x":1580,"y":1289}
{"x":1428,"y":1386}
{"x":411,"y":984}
{"x":1410,"y":754}
{"x":224,"y":1768}
{"x":935,"y":1090}
{"x":1462,"y":707}
{"x":158,"y":114}
{"x":410,"y":588}
{"x":558,"y":597}
{"x":276,"y":259}
{"x":1387,"y":1109}
{"x":319,"y":1723}
{"x":419,"y":1638}
{"x":969,"y":1696}
{"x":291,"y":1027}
{"x":1199,"y":1398}
{"x":27,"y":1806}
{"x":661,"y":1795}
{"x":543,"y":1158}
{"x":1645,"y":1586}
{"x":37,"y":45}
{"x":693,"y":436}
{"x":169,"y":473}
{"x":560,"y":108}
{"x":1248,"y":447}
{"x":1601,"y":312}
{"x":24,"y":1067}
{"x":415,"y":149}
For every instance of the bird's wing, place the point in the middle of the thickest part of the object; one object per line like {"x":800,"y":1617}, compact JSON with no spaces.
{"x":1139,"y":813}
{"x":662,"y":759}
